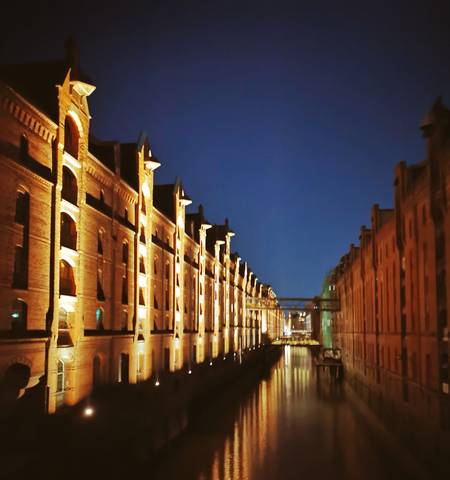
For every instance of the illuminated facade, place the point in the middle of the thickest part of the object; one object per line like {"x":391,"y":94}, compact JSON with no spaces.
{"x":394,"y":289}
{"x":104,"y":276}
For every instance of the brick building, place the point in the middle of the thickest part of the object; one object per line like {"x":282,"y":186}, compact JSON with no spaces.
{"x":104,"y":276}
{"x":394,"y":291}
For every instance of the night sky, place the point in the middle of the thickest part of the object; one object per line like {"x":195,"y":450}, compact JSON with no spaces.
{"x":286,"y":117}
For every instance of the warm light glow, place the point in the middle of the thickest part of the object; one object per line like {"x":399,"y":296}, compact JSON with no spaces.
{"x":189,"y":372}
{"x":157,"y":383}
{"x":88,"y":412}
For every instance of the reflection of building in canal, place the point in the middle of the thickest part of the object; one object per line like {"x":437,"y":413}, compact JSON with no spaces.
{"x":394,"y":293}
{"x":105,"y":276}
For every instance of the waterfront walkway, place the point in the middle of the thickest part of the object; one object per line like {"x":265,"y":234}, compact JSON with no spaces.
{"x":289,"y":426}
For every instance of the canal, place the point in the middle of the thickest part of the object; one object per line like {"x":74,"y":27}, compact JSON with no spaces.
{"x":288,"y":426}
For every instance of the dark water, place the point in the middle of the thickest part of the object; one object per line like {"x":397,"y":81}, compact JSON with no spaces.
{"x":287,"y":427}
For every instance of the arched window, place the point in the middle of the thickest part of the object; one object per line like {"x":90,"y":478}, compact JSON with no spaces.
{"x":68,"y":231}
{"x":71,"y":137}
{"x":66,"y":279}
{"x":100,"y":291}
{"x":99,"y":318}
{"x":141,"y":264}
{"x":100,"y":239}
{"x":142,"y":234}
{"x":20,"y":274}
{"x":60,"y":377}
{"x":19,"y":316}
{"x":69,"y":187}
{"x":125,"y":252}
{"x":125,"y":290}
{"x":24,"y":152}
{"x":22,"y":207}
{"x":96,"y":371}
{"x":141,"y":296}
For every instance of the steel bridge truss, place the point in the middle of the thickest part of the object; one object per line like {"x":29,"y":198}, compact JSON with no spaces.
{"x":294,"y":304}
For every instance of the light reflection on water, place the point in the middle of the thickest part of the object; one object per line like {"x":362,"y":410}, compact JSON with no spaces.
{"x":288,"y":427}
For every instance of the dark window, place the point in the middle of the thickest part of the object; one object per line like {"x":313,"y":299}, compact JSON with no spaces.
{"x":20,"y":274}
{"x":70,"y":187}
{"x":125,"y":290}
{"x":19,"y":316}
{"x":155,"y":266}
{"x":102,"y":196}
{"x":22,"y":208}
{"x":155,"y":302}
{"x":68,"y":232}
{"x":71,"y":137}
{"x":125,"y":320}
{"x":60,"y":377}
{"x":142,"y":234}
{"x":141,"y":264}
{"x":125,"y":253}
{"x":66,"y":279}
{"x":100,"y":242}
{"x":24,"y":149}
{"x":141,"y":297}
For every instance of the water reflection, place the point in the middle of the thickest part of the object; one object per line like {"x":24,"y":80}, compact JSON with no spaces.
{"x":289,"y":426}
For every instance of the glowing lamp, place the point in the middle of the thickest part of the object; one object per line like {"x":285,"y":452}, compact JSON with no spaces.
{"x":88,"y":412}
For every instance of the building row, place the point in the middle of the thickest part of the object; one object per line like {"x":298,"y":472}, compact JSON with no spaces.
{"x":105,"y":276}
{"x":394,"y":287}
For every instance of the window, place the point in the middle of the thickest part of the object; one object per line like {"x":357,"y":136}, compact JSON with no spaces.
{"x":125,"y":290}
{"x":141,"y":297}
{"x":99,"y":318}
{"x":19,"y":316}
{"x":66,"y":279}
{"x":100,"y":291}
{"x":142,"y":234}
{"x":167,"y":271}
{"x":70,"y":187}
{"x":24,"y":149}
{"x":141,"y":264}
{"x":124,"y":326}
{"x":22,"y":207}
{"x":125,"y":253}
{"x":166,"y":297}
{"x":155,"y":266}
{"x":71,"y":137}
{"x":20,"y":274}
{"x":100,"y":242}
{"x":60,"y":377}
{"x":68,"y":232}
{"x":102,"y":196}
{"x":125,"y":214}
{"x":155,"y":303}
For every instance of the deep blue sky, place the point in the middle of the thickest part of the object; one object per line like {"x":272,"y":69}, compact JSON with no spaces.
{"x":286,"y":117}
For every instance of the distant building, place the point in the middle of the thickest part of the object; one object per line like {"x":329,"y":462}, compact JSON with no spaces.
{"x":394,"y":291}
{"x":104,"y":277}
